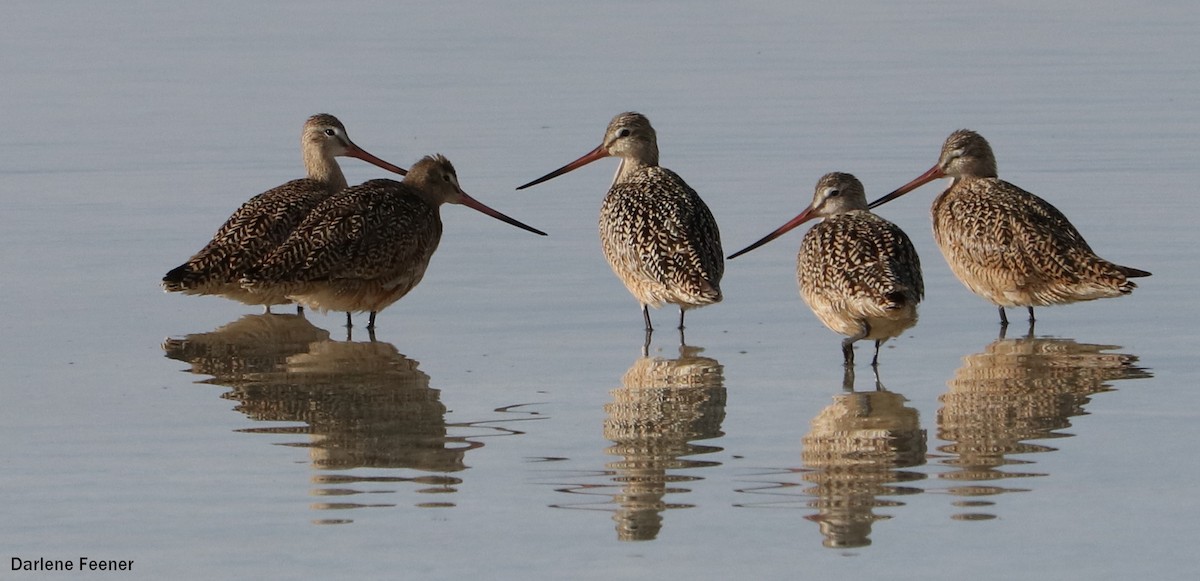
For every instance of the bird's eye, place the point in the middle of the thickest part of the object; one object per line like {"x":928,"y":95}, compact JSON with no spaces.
{"x":330,"y":132}
{"x":624,"y":132}
{"x":832,"y":192}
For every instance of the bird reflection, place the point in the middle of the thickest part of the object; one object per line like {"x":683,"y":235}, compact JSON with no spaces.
{"x":252,"y":344}
{"x":661,"y":408}
{"x":361,"y":404}
{"x":1015,"y":391}
{"x":366,"y":405}
{"x":854,"y":453}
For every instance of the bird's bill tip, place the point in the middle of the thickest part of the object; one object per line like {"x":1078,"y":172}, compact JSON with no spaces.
{"x":934,"y":173}
{"x":599,"y":153}
{"x":800,"y":218}
{"x":474,"y":204}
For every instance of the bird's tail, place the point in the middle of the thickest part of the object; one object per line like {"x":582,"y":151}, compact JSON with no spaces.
{"x":1132,"y":272}
{"x":183,"y":278}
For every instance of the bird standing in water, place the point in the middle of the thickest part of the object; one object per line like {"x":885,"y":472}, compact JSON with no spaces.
{"x":367,"y":247}
{"x":857,"y":272}
{"x":658,"y":235}
{"x":265,"y":221}
{"x":1006,"y":244}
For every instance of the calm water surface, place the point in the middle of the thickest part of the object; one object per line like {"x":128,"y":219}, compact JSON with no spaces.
{"x":508,"y":420}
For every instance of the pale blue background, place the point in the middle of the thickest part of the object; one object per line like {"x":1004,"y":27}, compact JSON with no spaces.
{"x":133,"y":128}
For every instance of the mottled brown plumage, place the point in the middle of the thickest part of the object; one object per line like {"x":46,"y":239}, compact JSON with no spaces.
{"x":659,"y":237}
{"x":1006,"y":244}
{"x":857,"y":272}
{"x":264,"y":222}
{"x":368,"y":246}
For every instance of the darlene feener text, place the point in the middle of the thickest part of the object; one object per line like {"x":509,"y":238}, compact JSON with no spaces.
{"x":81,"y":564}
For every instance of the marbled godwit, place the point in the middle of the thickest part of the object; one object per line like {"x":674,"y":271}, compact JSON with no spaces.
{"x":657,"y":234}
{"x":265,"y":221}
{"x":365,"y":248}
{"x":1006,"y":244}
{"x":857,"y":272}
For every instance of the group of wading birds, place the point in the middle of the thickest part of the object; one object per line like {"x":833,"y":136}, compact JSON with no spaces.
{"x":323,"y":245}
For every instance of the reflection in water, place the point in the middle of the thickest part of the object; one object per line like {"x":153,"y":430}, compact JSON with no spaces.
{"x":661,"y":408}
{"x":362,"y":404}
{"x":853,"y":454}
{"x":251,"y":344}
{"x":366,"y":405}
{"x":1014,"y":391}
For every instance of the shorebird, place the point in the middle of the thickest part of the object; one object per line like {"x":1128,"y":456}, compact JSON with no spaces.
{"x":368,"y":246}
{"x":1006,"y":244}
{"x":857,"y":272}
{"x":657,"y":234}
{"x":264,"y":222}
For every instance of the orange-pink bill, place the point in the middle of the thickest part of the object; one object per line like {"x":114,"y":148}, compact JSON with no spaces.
{"x":801,"y":218}
{"x":934,"y":173}
{"x":474,"y":204}
{"x":589,"y":157}
{"x":355,"y":151}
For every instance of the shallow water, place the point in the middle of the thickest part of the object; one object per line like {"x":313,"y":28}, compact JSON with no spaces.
{"x":506,"y":422}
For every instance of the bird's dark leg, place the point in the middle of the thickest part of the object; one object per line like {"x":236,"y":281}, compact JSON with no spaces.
{"x":875,"y":360}
{"x":680,"y":318}
{"x":848,"y":352}
{"x":848,"y":343}
{"x":371,"y":322}
{"x":646,"y":343}
{"x":299,"y":309}
{"x":1003,"y":318}
{"x":646,"y":317}
{"x":266,"y":309}
{"x":1032,"y":319}
{"x":349,"y":323}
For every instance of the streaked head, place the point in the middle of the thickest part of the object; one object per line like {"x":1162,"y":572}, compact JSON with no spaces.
{"x":836,"y":193}
{"x":436,"y":181}
{"x":629,"y":136}
{"x":324,"y":136}
{"x":965,"y":154}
